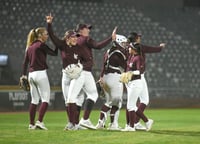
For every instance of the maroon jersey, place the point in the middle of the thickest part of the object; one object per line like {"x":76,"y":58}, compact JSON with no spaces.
{"x":135,"y":62}
{"x":69,"y":54}
{"x":36,"y":57}
{"x":115,"y":60}
{"x":148,"y":49}
{"x":87,"y":44}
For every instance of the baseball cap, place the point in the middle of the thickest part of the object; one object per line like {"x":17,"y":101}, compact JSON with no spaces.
{"x":132,"y":36}
{"x":71,"y":33}
{"x":82,"y":26}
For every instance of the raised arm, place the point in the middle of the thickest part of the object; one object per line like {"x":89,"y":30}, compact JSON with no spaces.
{"x":57,"y":42}
{"x":99,"y":45}
{"x":151,"y":49}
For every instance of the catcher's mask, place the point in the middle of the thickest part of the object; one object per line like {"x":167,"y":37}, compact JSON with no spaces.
{"x":121,"y":40}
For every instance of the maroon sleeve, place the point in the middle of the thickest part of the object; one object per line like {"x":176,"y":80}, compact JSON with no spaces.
{"x":98,"y":45}
{"x":49,"y":50}
{"x":104,"y":64}
{"x":150,"y":49}
{"x":25,"y":64}
{"x":57,"y":42}
{"x":138,"y":64}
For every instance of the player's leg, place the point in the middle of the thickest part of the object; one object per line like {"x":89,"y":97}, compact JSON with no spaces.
{"x":79,"y":104}
{"x":43,"y":87}
{"x":73,"y":93}
{"x":144,"y":100}
{"x":34,"y":101}
{"x":92,"y":95}
{"x":103,"y":115}
{"x":65,"y":88}
{"x":106,"y":107}
{"x":134,"y":88}
{"x":116,"y":117}
{"x":116,"y":92}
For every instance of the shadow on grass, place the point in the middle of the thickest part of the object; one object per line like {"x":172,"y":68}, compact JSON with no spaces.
{"x":175,"y":132}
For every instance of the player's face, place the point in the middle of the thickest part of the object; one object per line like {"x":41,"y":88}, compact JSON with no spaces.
{"x":85,"y":32}
{"x":72,"y":40}
{"x":44,"y":36}
{"x":132,"y":51}
{"x":138,"y":40}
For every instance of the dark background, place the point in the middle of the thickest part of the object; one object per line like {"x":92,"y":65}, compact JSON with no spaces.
{"x":172,"y":75}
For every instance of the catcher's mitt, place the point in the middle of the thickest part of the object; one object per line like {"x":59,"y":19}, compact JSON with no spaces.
{"x":100,"y":89}
{"x":73,"y":70}
{"x":24,"y":84}
{"x":126,"y":77}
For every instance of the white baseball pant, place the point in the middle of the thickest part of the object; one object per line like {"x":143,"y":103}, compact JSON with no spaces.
{"x":39,"y":86}
{"x":134,"y":89}
{"x":65,"y":89}
{"x":87,"y":83}
{"x":115,"y":93}
{"x":144,"y":96}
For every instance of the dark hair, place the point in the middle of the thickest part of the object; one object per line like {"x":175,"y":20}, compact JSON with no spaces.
{"x":136,"y":47}
{"x":133,"y":36}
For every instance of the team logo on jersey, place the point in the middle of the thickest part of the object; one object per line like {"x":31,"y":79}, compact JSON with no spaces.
{"x":130,"y":64}
{"x":75,"y":56}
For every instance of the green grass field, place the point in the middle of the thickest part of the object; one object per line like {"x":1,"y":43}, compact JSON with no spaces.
{"x":172,"y":126}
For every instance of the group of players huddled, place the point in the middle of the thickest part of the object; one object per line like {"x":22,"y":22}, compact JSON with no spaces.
{"x":124,"y":66}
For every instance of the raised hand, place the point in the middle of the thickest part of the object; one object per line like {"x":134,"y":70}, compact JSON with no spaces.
{"x":49,"y":18}
{"x":162,"y":45}
{"x":114,"y":33}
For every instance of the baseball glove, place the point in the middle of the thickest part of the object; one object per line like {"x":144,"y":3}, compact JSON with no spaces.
{"x":73,"y":70}
{"x":24,"y":84}
{"x":100,"y":89}
{"x":126,"y":77}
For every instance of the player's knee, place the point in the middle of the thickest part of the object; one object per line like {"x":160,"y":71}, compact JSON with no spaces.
{"x":132,"y":108}
{"x":146,"y":102}
{"x":116,"y":101}
{"x":35,"y":101}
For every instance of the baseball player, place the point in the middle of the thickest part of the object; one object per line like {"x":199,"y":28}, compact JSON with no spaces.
{"x":134,"y":87}
{"x":35,"y":57}
{"x":86,"y":80}
{"x":114,"y":64}
{"x":135,"y":39}
{"x":70,"y":55}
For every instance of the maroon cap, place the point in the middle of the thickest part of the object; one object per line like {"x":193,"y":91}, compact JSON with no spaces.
{"x":82,"y":26}
{"x":71,"y":33}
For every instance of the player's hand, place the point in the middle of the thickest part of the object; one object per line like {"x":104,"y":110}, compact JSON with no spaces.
{"x":49,"y":18}
{"x":101,"y":81}
{"x":114,"y":34}
{"x":162,"y":45}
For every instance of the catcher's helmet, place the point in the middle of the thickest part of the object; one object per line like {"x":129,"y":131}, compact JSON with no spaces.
{"x":121,"y":39}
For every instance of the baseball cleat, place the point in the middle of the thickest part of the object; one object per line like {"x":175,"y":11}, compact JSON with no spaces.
{"x":69,"y":126}
{"x":87,"y":123}
{"x":40,"y":125}
{"x":100,"y":124}
{"x":149,"y":124}
{"x":31,"y":127}
{"x":113,"y":126}
{"x":128,"y":129}
{"x":139,"y":126}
